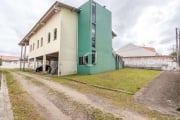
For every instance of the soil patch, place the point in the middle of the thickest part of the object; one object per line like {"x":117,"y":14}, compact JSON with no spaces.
{"x":162,"y":94}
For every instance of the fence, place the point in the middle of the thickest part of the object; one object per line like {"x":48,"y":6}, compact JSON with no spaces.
{"x":151,"y":62}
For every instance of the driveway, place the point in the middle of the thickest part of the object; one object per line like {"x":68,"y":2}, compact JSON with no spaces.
{"x":162,"y":94}
{"x":57,"y":101}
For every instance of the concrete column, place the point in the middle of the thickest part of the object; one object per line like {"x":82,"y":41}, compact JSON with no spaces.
{"x":59,"y":65}
{"x":179,"y":50}
{"x":24,"y":62}
{"x":21,"y":57}
{"x":44,"y":63}
{"x":28,"y":63}
{"x":34,"y":63}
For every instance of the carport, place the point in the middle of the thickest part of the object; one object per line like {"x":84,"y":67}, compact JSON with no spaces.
{"x":52,"y":60}
{"x":49,"y":59}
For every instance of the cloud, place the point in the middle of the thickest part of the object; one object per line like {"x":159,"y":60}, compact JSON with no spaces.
{"x":17,"y":18}
{"x":149,"y":22}
{"x":153,"y":23}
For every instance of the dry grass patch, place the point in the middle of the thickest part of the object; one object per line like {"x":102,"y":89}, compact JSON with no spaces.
{"x":23,"y":109}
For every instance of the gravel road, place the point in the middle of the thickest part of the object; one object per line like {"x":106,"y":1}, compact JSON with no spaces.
{"x":162,"y":94}
{"x":68,"y":103}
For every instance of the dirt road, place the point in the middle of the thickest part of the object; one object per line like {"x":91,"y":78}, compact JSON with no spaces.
{"x":162,"y":94}
{"x":56,"y":101}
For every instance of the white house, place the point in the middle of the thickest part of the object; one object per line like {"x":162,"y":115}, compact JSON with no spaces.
{"x":131,"y":50}
{"x":65,"y":34}
{"x":10,"y":61}
{"x":53,"y":39}
{"x":145,"y":57}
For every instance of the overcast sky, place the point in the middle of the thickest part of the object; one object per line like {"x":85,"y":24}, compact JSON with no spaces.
{"x":142,"y":22}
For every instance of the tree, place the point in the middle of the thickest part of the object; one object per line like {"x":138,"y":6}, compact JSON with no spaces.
{"x":173,"y":54}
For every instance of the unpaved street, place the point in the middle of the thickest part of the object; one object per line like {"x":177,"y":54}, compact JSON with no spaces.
{"x":58,"y":102}
{"x":49,"y":110}
{"x":162,"y":94}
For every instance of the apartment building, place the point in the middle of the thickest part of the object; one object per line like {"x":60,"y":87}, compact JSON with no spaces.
{"x":72,"y":40}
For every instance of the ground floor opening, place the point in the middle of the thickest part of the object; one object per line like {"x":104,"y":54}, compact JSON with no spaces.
{"x":46,"y":63}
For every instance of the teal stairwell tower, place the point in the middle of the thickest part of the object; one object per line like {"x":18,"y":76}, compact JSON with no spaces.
{"x":95,"y":40}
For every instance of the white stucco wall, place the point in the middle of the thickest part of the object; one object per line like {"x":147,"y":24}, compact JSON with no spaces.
{"x":12,"y":64}
{"x":68,"y":49}
{"x":47,"y":48}
{"x":66,"y":44}
{"x":155,"y":62}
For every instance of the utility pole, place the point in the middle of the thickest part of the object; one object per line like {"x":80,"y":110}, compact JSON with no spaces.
{"x":179,"y":50}
{"x":1,"y":61}
{"x":177,"y":45}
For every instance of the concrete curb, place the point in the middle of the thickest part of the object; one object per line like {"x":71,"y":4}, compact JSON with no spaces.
{"x":6,"y":112}
{"x":100,"y":87}
{"x":2,"y":114}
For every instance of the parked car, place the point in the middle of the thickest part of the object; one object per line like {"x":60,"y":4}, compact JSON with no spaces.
{"x":40,"y":68}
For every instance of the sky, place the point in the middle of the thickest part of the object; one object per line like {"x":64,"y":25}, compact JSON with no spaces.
{"x":149,"y":23}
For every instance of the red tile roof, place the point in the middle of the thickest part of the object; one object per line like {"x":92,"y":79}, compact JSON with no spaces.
{"x":12,"y":58}
{"x":150,"y":49}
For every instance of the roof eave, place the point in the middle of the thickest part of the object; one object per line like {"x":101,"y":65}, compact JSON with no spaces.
{"x":114,"y":34}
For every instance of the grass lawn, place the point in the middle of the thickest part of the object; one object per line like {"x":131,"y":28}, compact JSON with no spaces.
{"x":130,"y":80}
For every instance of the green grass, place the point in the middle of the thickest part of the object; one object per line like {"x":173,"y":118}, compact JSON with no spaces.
{"x":130,"y":80}
{"x":22,"y":107}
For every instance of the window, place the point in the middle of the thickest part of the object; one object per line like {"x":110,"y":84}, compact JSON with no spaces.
{"x":30,"y":48}
{"x":80,"y":60}
{"x":38,"y":44}
{"x":55,"y":33}
{"x":93,"y":57}
{"x":93,"y":35}
{"x":93,"y":43}
{"x":94,"y":12}
{"x":41,"y":41}
{"x":93,"y":31}
{"x":49,"y":37}
{"x":83,"y":60}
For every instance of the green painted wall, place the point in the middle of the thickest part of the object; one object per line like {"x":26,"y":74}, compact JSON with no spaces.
{"x":105,"y":60}
{"x":84,"y":41}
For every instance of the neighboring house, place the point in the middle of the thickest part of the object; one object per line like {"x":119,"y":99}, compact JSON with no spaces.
{"x":145,"y":57}
{"x":10,"y":61}
{"x":131,"y":50}
{"x":72,"y":40}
